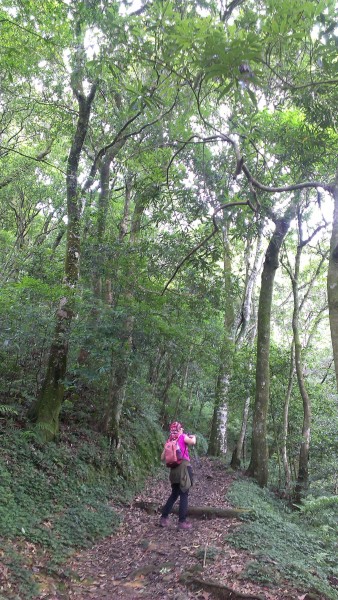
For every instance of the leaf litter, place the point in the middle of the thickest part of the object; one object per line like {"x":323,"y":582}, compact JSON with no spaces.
{"x":143,"y":561}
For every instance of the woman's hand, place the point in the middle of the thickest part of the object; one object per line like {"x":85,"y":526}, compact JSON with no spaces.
{"x":190,"y":440}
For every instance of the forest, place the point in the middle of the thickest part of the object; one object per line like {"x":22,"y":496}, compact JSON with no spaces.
{"x":168,"y":251}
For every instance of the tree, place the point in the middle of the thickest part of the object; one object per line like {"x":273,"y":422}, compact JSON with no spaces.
{"x":218,"y":436}
{"x":247,"y":332}
{"x":47,"y":408}
{"x":332,"y":278}
{"x":303,"y":474}
{"x":258,"y":467}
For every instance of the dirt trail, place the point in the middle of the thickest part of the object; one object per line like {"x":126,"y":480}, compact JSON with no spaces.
{"x":143,"y":561}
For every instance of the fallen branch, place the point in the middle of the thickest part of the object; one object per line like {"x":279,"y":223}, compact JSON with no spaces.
{"x":218,"y":590}
{"x":200,"y":512}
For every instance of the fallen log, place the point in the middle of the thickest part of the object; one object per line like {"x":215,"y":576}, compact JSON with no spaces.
{"x":200,"y":512}
{"x":218,"y":590}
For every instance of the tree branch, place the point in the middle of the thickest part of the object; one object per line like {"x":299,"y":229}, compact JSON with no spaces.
{"x":285,"y":188}
{"x":312,"y":84}
{"x":26,"y":30}
{"x":228,"y":11}
{"x":123,"y":138}
{"x":250,"y":177}
{"x":38,"y":158}
{"x":204,"y":241}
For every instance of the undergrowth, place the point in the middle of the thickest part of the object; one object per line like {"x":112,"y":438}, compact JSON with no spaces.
{"x":55,"y":498}
{"x":300,"y":547}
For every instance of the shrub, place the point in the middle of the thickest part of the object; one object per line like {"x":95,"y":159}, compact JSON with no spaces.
{"x":283,"y":548}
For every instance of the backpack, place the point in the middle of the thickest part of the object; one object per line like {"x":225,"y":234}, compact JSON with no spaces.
{"x":172,"y":453}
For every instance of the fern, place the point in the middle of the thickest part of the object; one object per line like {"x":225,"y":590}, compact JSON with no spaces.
{"x":44,"y":427}
{"x":7,"y":410}
{"x":28,"y":434}
{"x":311,"y":505}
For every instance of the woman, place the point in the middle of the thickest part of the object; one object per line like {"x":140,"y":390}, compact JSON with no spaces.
{"x":180,"y":478}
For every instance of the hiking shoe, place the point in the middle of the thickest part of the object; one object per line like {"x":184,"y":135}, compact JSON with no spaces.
{"x":164,"y":522}
{"x":184,"y":525}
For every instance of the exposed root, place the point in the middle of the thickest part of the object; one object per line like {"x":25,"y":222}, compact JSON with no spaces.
{"x":219,"y":591}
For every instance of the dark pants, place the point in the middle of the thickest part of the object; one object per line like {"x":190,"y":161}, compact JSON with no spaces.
{"x":183,"y":508}
{"x":175,"y":493}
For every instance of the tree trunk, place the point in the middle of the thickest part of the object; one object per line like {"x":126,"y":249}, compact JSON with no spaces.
{"x":121,"y":356}
{"x":218,"y":437}
{"x":155,"y":367}
{"x":252,"y":273}
{"x":218,"y":444}
{"x":286,"y":466}
{"x":238,"y":450}
{"x":258,"y":467}
{"x":183,"y":383}
{"x":303,"y":471}
{"x":47,"y":408}
{"x":118,"y":379}
{"x":101,"y":223}
{"x":245,"y":332}
{"x":332,"y":281}
{"x":169,"y":378}
{"x":100,"y":290}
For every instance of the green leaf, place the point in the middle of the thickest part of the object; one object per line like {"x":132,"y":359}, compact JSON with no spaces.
{"x":252,"y":97}
{"x":225,"y":90}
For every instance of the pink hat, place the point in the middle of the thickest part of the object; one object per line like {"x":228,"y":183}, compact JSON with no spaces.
{"x":175,"y":427}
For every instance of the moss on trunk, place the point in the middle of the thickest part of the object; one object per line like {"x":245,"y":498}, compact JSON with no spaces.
{"x":45,"y":412}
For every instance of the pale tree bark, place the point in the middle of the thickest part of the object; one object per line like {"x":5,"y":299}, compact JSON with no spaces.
{"x":238,"y":450}
{"x":332,"y":280}
{"x":218,"y":444}
{"x":252,"y":273}
{"x":46,"y":410}
{"x":120,"y":361}
{"x":258,"y":467}
{"x":247,"y":330}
